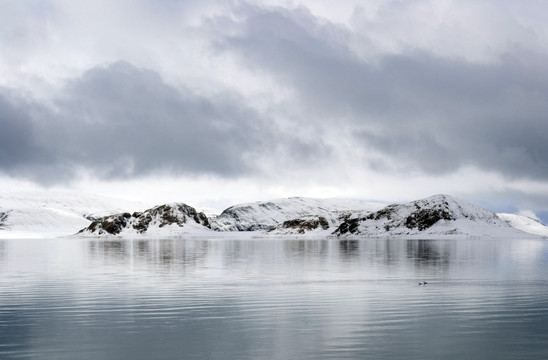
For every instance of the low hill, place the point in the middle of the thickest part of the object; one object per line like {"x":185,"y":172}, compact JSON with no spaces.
{"x":168,"y":220}
{"x":438,"y":215}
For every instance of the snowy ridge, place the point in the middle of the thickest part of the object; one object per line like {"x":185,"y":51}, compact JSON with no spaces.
{"x":167,"y":220}
{"x":524,"y":223}
{"x":48,"y":214}
{"x":267,"y":215}
{"x":53,"y":213}
{"x":439,"y":215}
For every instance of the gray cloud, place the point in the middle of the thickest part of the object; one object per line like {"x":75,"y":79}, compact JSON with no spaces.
{"x":395,"y":107}
{"x":426,"y":112}
{"x":120,"y":121}
{"x":16,"y":143}
{"x":124,"y":120}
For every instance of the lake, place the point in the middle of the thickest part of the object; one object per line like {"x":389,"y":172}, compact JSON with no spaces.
{"x":273,"y":299}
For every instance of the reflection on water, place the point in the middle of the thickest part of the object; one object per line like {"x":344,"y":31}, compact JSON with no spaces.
{"x":273,"y":299}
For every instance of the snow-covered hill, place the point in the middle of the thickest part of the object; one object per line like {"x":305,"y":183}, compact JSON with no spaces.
{"x":268,"y":215}
{"x":524,"y":223}
{"x":163,"y":220}
{"x":47,"y":214}
{"x":53,"y":213}
{"x":438,"y":215}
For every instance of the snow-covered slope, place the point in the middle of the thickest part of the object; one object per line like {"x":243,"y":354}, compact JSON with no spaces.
{"x":54,"y":213}
{"x":163,"y":220}
{"x":524,"y":223}
{"x":437,"y":215}
{"x":46,"y":214}
{"x":267,"y":215}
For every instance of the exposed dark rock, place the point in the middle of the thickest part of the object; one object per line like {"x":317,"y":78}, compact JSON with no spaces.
{"x":385,"y":212}
{"x":3,"y":218}
{"x":142,"y":222}
{"x":350,"y":226}
{"x":115,"y":224}
{"x":425,"y":218}
{"x":162,"y":215}
{"x":323,"y":222}
{"x":303,"y":225}
{"x":416,"y":216}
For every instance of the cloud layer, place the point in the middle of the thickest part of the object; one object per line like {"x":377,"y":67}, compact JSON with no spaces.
{"x":423,"y":111}
{"x":121,"y":121}
{"x":284,"y":92}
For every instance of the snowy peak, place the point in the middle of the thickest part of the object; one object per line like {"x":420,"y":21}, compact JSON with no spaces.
{"x":267,"y":215}
{"x":169,"y":216}
{"x":445,"y":207}
{"x":436,"y":215}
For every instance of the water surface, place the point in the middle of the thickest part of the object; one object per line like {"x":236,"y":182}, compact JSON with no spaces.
{"x":273,"y":299}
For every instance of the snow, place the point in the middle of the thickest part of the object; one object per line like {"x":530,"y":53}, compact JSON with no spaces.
{"x":525,"y":223}
{"x":458,"y":219}
{"x":266,"y":215}
{"x":170,"y":220}
{"x":53,"y":213}
{"x":44,"y":214}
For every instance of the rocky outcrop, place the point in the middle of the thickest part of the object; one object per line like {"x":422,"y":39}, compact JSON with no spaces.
{"x":178,"y":214}
{"x":3,"y":218}
{"x":302,"y":225}
{"x":271,"y":215}
{"x":440,"y":214}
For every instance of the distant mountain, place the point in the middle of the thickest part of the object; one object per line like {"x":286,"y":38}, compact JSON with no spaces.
{"x":52,"y":213}
{"x":438,"y":215}
{"x":269,"y":215}
{"x":47,"y":214}
{"x":169,"y":219}
{"x":524,"y":223}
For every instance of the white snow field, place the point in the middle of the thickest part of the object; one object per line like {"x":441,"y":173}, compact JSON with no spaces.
{"x":524,"y":223}
{"x":54,"y":213}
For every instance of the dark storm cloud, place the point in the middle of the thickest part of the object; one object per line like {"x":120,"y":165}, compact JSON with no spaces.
{"x":16,"y":135}
{"x":21,"y":151}
{"x":119,"y":121}
{"x":425,"y":112}
{"x":125,"y":120}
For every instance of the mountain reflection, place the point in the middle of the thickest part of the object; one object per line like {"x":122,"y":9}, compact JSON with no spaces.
{"x":3,"y":250}
{"x":349,"y":248}
{"x":428,"y":251}
{"x":184,"y":254}
{"x":160,"y":253}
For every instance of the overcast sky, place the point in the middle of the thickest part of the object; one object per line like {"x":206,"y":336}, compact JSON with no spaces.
{"x":219,"y":102}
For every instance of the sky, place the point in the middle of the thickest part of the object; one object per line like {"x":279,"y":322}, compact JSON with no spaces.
{"x":214,"y":103}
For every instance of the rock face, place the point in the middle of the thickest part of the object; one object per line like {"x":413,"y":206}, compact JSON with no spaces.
{"x":291,"y":213}
{"x":177,"y":214}
{"x":3,"y":218}
{"x":303,"y":225}
{"x":436,"y":215}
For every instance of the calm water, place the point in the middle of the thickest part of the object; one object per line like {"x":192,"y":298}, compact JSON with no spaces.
{"x":273,"y":299}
